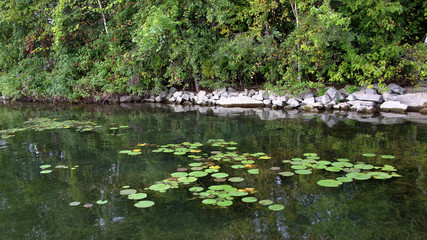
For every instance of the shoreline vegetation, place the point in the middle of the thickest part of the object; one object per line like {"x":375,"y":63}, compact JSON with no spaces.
{"x":294,"y":52}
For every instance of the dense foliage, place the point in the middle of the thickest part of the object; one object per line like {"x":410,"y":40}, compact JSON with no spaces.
{"x":74,"y":49}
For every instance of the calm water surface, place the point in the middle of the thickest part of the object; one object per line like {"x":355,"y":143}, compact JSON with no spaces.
{"x":36,"y":206}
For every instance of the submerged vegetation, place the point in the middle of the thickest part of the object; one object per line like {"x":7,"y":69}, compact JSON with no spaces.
{"x":74,"y":50}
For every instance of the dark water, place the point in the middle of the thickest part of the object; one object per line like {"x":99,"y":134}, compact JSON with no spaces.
{"x":36,"y":206}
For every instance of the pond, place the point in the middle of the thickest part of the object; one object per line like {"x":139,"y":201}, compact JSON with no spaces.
{"x":210,"y":174}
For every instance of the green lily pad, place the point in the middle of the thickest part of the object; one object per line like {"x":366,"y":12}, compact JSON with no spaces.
{"x":196,"y":164}
{"x":187,"y":179}
{"x":388,"y":168}
{"x":134,"y":153}
{"x":368,"y":155}
{"x":179,"y":174}
{"x":249,"y":199}
{"x":358,"y":176}
{"x":225,"y":203}
{"x":388,"y":156}
{"x":45,"y":166}
{"x":160,"y":187}
{"x":137,"y":196}
{"x":333,"y":169}
{"x":310,"y":154}
{"x":286,"y":174}
{"x":126,"y":186}
{"x":198,"y":174}
{"x":125,"y":151}
{"x":344,"y":179}
{"x":276,"y":207}
{"x":179,"y":153}
{"x":237,"y":166}
{"x":299,"y":167}
{"x":303,"y":171}
{"x":286,"y":161}
{"x":363,"y":166}
{"x":318,"y":166}
{"x":329,"y":183}
{"x":211,"y":170}
{"x":343,"y":160}
{"x":46,"y":171}
{"x":253,"y":171}
{"x":209,"y":201}
{"x":236,"y":179}
{"x":196,"y":189}
{"x":342,"y":164}
{"x":248,"y":161}
{"x":324,"y":162}
{"x":265,"y":157}
{"x":101,"y":202}
{"x":265,"y":202}
{"x":144,"y":204}
{"x":73,"y":204}
{"x":380,"y":175}
{"x":237,"y":193}
{"x":219,"y":175}
{"x":231,"y":148}
{"x":128,"y":191}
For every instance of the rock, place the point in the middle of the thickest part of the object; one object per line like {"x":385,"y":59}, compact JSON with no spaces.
{"x":393,"y":106}
{"x":423,"y":111}
{"x":362,"y":103}
{"x":310,"y":108}
{"x":186,"y":97}
{"x":187,"y":103}
{"x":264,"y":94}
{"x":136,"y":98}
{"x":388,"y":96}
{"x":344,"y":92}
{"x":201,"y":94}
{"x":308,"y":101}
{"x":396,"y":88}
{"x":251,"y":93}
{"x":307,"y":95}
{"x":178,"y":100}
{"x":371,"y":91}
{"x":267,"y":102}
{"x":240,"y":102}
{"x":366,"y":95}
{"x":177,"y":94}
{"x":220,"y":91}
{"x":258,"y":97}
{"x":172,"y":100}
{"x":415,"y":101}
{"x":330,"y":105}
{"x":161,"y":96}
{"x":342,"y":106}
{"x":113,"y":99}
{"x":292,"y":102}
{"x":224,"y":95}
{"x":172,"y":90}
{"x":318,"y":105}
{"x":215,"y":97}
{"x":324,"y":99}
{"x":125,"y":99}
{"x":279,"y":101}
{"x":334,"y":94}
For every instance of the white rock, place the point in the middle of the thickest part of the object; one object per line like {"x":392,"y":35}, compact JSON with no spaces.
{"x":292,"y":102}
{"x":240,"y":102}
{"x":201,"y":93}
{"x":396,"y":88}
{"x":309,"y":100}
{"x":334,"y":94}
{"x":393,"y":106}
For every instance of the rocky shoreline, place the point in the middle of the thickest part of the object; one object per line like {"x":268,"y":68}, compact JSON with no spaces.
{"x":364,"y":100}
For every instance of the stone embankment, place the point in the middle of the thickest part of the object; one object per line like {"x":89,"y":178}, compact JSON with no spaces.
{"x":365,"y":100}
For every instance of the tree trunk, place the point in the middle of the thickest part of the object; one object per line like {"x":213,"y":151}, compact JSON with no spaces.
{"x":103,"y":17}
{"x":295,"y":11}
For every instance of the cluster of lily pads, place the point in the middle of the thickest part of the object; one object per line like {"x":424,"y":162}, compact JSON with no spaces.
{"x":208,"y":165}
{"x":357,"y":171}
{"x":41,"y":124}
{"x":46,"y":168}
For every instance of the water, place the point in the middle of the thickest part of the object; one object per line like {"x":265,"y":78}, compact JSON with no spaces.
{"x":36,"y":206}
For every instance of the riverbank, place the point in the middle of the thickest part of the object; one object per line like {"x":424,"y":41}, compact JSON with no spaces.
{"x":368,"y":100}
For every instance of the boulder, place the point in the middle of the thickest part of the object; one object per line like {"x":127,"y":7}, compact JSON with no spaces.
{"x":201,"y":94}
{"x":367,"y":95}
{"x":415,"y":101}
{"x":324,"y":99}
{"x":279,"y":101}
{"x":334,"y":94}
{"x":344,"y":92}
{"x":267,"y":102}
{"x":292,"y":102}
{"x":240,"y":102}
{"x":125,"y":99}
{"x":361,"y":103}
{"x":308,"y":101}
{"x":177,"y":94}
{"x":423,"y":111}
{"x":393,"y":106}
{"x":307,"y":95}
{"x":220,"y":91}
{"x":342,"y":106}
{"x":396,"y":88}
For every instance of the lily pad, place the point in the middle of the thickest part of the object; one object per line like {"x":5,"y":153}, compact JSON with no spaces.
{"x":249,"y":199}
{"x":303,"y":171}
{"x":134,"y":153}
{"x":144,"y":204}
{"x":195,"y":164}
{"x":368,"y":155}
{"x":237,"y":193}
{"x":299,"y":167}
{"x":253,"y":171}
{"x":198,"y":174}
{"x":265,"y":202}
{"x":88,"y":205}
{"x":344,"y":179}
{"x":46,"y":171}
{"x":219,"y":175}
{"x":276,"y":207}
{"x":73,"y":204}
{"x":237,"y":166}
{"x":128,"y":191}
{"x":137,"y":196}
{"x":225,"y":203}
{"x":101,"y":202}
{"x":329,"y":183}
{"x":333,"y":169}
{"x":187,"y":179}
{"x":179,"y":174}
{"x":196,"y":189}
{"x":45,"y":166}
{"x":388,"y":156}
{"x":363,"y":166}
{"x":388,"y":168}
{"x":236,"y":179}
{"x":209,"y":201}
{"x":286,"y":174}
